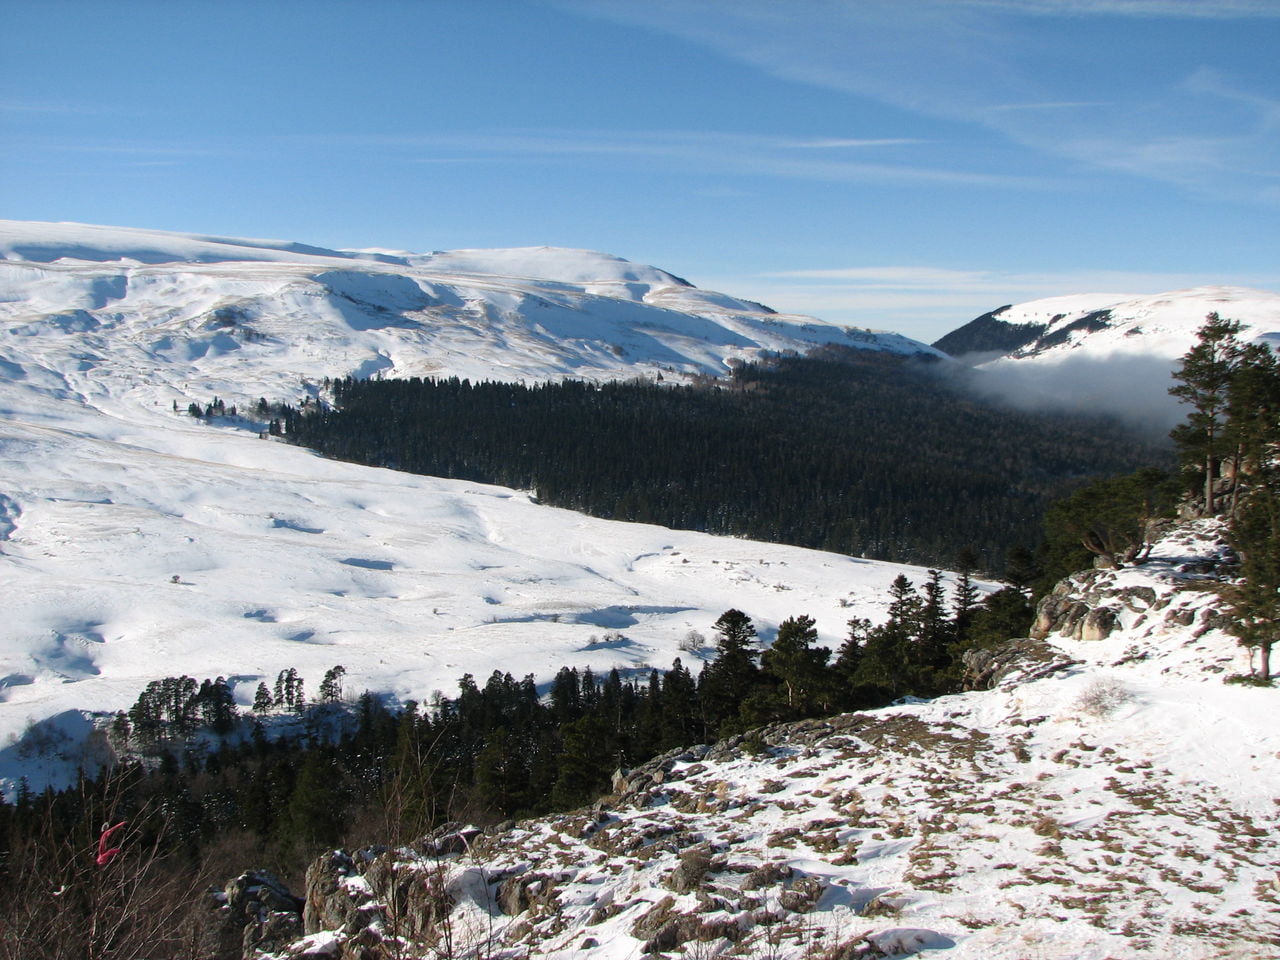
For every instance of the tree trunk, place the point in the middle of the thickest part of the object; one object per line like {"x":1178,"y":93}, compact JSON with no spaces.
{"x":1238,"y":463}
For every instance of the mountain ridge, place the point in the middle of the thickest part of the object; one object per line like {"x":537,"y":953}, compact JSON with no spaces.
{"x":555,"y":313}
{"x":1161,"y":324}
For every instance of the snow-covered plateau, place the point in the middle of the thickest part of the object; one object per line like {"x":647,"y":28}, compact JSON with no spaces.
{"x":138,"y":542}
{"x":1102,"y":325}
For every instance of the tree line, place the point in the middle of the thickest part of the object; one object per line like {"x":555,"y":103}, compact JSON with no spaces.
{"x":852,"y":451}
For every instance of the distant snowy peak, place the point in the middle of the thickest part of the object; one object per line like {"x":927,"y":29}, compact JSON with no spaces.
{"x":41,"y":242}
{"x":263,"y":315}
{"x":556,"y":264}
{"x":1160,"y":326}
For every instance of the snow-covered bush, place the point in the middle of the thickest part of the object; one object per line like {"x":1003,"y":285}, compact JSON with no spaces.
{"x":1102,"y":697}
{"x":692,"y":642}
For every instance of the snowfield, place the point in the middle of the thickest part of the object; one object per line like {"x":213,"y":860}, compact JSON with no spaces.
{"x":138,"y":542}
{"x":1162,"y":325}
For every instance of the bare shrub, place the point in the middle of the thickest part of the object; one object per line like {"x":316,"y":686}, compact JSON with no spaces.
{"x":79,"y":901}
{"x":692,"y":642}
{"x":1102,"y":697}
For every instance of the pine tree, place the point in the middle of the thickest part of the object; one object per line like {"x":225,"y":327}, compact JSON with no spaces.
{"x":798,"y":664}
{"x":262,"y":702}
{"x":728,"y":679}
{"x":1252,"y":429}
{"x":851,"y":692}
{"x":965,"y":599}
{"x":501,"y":772}
{"x":278,"y":697}
{"x":1020,"y":567}
{"x":649,"y":725}
{"x":315,"y":810}
{"x":217,"y":706}
{"x":681,"y":718}
{"x":585,"y":763}
{"x":331,"y":685}
{"x":935,"y":628}
{"x":147,"y":714}
{"x":1204,"y":377}
{"x":1107,"y":518}
{"x":889,"y":661}
{"x":1256,"y":599}
{"x":566,"y":695}
{"x":1001,"y":616}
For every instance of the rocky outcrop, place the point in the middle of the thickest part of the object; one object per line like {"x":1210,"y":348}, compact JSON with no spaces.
{"x":1012,"y":663}
{"x":329,"y":904}
{"x":1170,"y":591}
{"x":1078,"y":607}
{"x":525,"y":892}
{"x":1090,"y":605}
{"x":256,"y":914}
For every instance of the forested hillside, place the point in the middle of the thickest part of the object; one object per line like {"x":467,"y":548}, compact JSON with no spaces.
{"x":851,"y":451}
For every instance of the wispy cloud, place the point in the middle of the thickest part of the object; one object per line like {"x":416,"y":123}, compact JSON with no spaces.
{"x":26,"y":107}
{"x":1022,"y":284}
{"x":888,"y":277}
{"x":1204,"y":133}
{"x":144,"y":149}
{"x":831,"y":159}
{"x":837,"y":143}
{"x":1048,"y":105}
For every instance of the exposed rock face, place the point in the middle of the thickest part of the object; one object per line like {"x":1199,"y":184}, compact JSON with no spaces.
{"x":525,"y":892}
{"x":328,"y":904}
{"x":688,"y":874}
{"x":1072,"y":602}
{"x":1013,"y":663}
{"x":1091,"y":605}
{"x":257,"y":915}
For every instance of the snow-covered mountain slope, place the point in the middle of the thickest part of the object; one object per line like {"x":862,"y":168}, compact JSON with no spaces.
{"x":1103,"y":352}
{"x":257,"y":317}
{"x":1107,"y":800}
{"x":1163,"y":325}
{"x":1106,"y":325}
{"x":137,"y":542}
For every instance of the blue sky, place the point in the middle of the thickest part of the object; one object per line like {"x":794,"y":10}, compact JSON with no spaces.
{"x":904,"y":165}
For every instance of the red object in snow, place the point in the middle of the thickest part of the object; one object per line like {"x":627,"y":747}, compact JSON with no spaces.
{"x":105,"y":854}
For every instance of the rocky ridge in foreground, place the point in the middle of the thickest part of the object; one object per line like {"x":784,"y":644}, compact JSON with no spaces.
{"x":1094,"y":804}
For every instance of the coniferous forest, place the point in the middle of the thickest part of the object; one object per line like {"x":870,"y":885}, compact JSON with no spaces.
{"x":852,"y":451}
